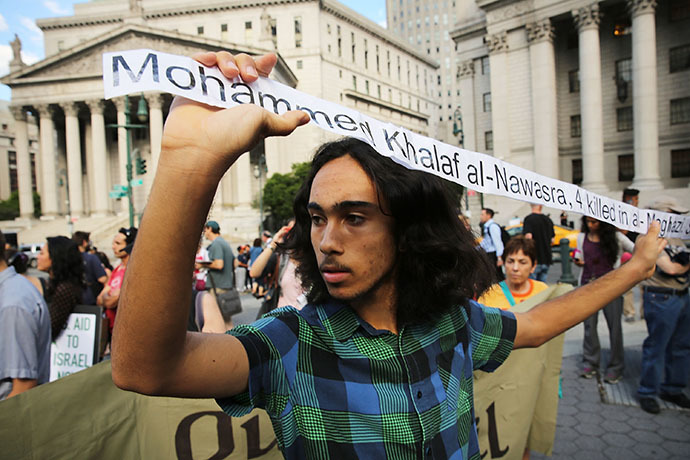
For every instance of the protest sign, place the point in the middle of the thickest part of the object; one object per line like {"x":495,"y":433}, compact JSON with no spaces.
{"x":516,"y":406}
{"x":78,"y":345}
{"x":84,"y":415}
{"x":133,"y":71}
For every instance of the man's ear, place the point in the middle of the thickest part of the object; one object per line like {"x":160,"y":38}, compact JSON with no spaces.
{"x":534,"y":267}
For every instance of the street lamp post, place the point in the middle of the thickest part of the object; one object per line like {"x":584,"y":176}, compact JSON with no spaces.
{"x":259,"y":169}
{"x":142,"y":116}
{"x":458,"y":131}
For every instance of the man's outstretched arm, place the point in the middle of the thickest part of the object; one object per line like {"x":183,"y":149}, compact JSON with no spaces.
{"x":152,"y":351}
{"x":551,"y":318}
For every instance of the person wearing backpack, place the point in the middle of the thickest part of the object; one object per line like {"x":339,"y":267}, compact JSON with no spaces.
{"x":492,"y":242}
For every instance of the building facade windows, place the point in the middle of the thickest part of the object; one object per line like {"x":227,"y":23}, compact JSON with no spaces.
{"x":680,"y":110}
{"x":489,"y":140}
{"x":574,"y":81}
{"x":680,"y":163}
{"x":575,"y":126}
{"x":679,"y":58}
{"x":486,"y":101}
{"x":485,"y":65}
{"x":624,"y":70}
{"x":624,"y":118}
{"x":298,"y":31}
{"x":200,"y":30}
{"x":577,"y":171}
{"x":626,"y":167}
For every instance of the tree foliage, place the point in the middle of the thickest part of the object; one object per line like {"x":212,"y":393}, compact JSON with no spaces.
{"x":9,"y":209}
{"x":280,"y":191}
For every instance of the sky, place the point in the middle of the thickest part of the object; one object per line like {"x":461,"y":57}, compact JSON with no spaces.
{"x":19,"y":17}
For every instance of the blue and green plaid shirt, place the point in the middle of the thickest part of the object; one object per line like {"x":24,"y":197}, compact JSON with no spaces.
{"x":335,"y":387}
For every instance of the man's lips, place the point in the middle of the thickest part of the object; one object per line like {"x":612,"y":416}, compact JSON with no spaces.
{"x":334,"y":273}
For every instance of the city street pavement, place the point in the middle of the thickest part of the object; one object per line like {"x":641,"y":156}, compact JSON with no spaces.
{"x":600,"y":421}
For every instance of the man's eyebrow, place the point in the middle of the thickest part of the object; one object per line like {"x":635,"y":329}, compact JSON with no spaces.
{"x":343,"y":205}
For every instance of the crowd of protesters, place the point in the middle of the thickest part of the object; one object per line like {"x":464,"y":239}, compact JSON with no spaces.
{"x":601,"y":248}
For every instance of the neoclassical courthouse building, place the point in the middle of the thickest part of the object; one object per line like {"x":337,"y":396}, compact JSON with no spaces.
{"x":325,"y":49}
{"x":591,"y":92}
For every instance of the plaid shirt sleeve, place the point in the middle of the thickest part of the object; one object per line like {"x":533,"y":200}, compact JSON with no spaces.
{"x":492,"y":334}
{"x":272,"y":345}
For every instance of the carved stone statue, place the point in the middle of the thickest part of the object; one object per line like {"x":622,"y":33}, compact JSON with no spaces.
{"x":16,"y":45}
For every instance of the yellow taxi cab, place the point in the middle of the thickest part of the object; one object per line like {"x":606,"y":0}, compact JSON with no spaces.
{"x":559,"y":231}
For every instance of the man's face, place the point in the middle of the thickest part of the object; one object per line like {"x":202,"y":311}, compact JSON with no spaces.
{"x":119,"y":243}
{"x":484,"y":217}
{"x":518,"y":267}
{"x":633,"y":200}
{"x":352,"y":239}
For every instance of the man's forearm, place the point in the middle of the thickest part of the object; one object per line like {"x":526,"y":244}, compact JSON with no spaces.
{"x":151,"y":325}
{"x":551,"y":318}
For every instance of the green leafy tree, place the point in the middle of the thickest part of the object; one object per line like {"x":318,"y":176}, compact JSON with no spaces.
{"x":280,"y":191}
{"x":9,"y":209}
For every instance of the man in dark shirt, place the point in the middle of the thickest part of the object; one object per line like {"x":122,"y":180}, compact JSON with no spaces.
{"x":94,"y":273}
{"x":539,"y":227}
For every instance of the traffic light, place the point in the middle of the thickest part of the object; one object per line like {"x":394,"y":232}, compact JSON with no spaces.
{"x":140,"y":166}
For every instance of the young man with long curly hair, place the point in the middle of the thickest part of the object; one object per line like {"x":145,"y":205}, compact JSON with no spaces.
{"x":379,"y":363}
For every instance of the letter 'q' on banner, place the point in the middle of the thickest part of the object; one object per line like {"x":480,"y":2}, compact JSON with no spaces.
{"x":134,"y":71}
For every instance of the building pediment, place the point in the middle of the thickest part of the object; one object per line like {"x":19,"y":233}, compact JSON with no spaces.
{"x":84,"y":61}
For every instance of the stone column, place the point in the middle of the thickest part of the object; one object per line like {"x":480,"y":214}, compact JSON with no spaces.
{"x":49,"y":199}
{"x":155,"y":102}
{"x":100,"y":162}
{"x":466,"y":86}
{"x":122,"y":149}
{"x":21,"y":144}
{"x":245,"y":176}
{"x":591,"y":116}
{"x":498,"y":63}
{"x":73,"y":144}
{"x":540,"y":36}
{"x":644,"y":85}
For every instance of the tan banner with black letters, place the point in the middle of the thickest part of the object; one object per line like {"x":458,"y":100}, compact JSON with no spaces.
{"x":84,"y":415}
{"x":516,"y":406}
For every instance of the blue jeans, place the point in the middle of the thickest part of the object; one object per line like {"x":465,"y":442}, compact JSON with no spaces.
{"x":666,"y":351}
{"x":540,"y":273}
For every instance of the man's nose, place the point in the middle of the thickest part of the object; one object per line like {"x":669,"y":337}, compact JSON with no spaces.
{"x":330,"y":239}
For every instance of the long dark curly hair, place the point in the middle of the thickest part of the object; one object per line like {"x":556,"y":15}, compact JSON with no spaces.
{"x":67,"y":265}
{"x":438,"y":265}
{"x":607,"y":235}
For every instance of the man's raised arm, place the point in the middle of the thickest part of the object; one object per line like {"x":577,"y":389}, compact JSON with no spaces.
{"x":152,"y":351}
{"x":551,"y":318}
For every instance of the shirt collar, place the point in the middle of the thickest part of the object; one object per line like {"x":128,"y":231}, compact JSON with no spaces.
{"x":7,"y":273}
{"x":341,"y":321}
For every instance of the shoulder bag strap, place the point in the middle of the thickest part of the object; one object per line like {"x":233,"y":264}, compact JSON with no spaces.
{"x":507,"y":293}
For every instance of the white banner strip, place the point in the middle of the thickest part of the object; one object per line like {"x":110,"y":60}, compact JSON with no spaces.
{"x":134,"y":71}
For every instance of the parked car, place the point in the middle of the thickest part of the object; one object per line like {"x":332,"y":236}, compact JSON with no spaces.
{"x":559,"y":231}
{"x":32,"y":251}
